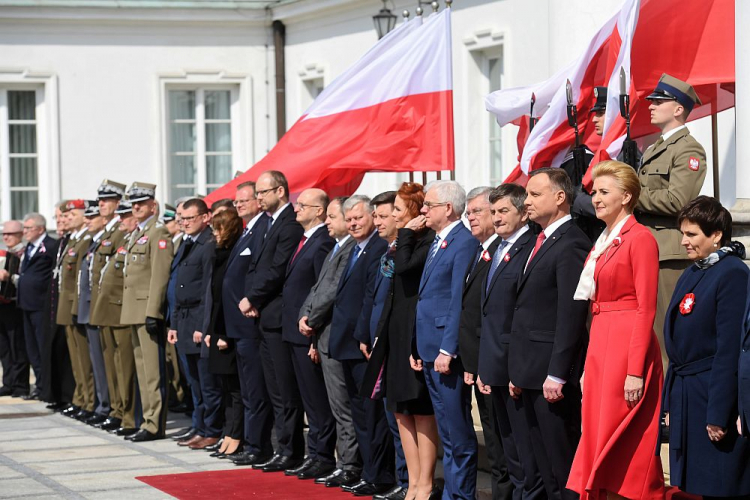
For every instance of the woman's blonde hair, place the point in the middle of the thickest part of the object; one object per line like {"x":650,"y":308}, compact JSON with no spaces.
{"x":625,"y":178}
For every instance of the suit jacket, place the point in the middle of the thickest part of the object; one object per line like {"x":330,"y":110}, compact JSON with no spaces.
{"x":194,"y":266}
{"x":301,"y":275}
{"x":318,"y":306}
{"x":498,"y":304}
{"x":235,"y":280}
{"x":353,"y":304}
{"x":107,"y":310}
{"x":267,"y":271}
{"x":439,"y":306}
{"x":67,"y":302}
{"x":35,"y":277}
{"x":470,"y":328}
{"x":701,"y":383}
{"x":146,"y":273}
{"x":744,"y":371}
{"x":671,"y":175}
{"x":548,"y":335}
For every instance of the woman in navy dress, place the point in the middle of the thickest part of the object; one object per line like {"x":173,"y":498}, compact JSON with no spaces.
{"x":702,"y":334}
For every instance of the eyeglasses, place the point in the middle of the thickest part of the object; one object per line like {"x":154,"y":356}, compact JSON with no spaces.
{"x":431,"y":205}
{"x":29,"y":228}
{"x":474,"y":212}
{"x":263,"y":192}
{"x":302,"y":206}
{"x":191,"y":218}
{"x":242,"y":202}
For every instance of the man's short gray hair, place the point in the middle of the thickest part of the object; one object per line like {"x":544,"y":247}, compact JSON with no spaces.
{"x":355,"y":200}
{"x":449,"y":192}
{"x":37,"y":218}
{"x":483,"y":191}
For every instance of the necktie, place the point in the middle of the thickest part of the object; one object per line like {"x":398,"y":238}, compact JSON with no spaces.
{"x":495,"y":263}
{"x":336,"y":248}
{"x":433,"y":251}
{"x":539,"y":241}
{"x":27,"y":256}
{"x":477,"y":256}
{"x":245,"y":231}
{"x":299,"y":247}
{"x":353,"y":259}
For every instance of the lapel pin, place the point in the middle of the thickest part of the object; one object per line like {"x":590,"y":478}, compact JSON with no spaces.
{"x":486,"y":256}
{"x":444,"y":244}
{"x":688,"y":304}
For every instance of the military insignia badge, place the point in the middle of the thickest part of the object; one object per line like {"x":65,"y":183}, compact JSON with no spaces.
{"x":688,"y":304}
{"x":162,"y":244}
{"x":71,"y":253}
{"x":142,"y":240}
{"x":107,"y":243}
{"x":122,"y":251}
{"x":694,"y":163}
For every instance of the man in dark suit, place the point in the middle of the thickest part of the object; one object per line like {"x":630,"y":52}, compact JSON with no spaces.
{"x":498,"y":302}
{"x":266,"y":276}
{"x":548,"y":337}
{"x":438,"y":319}
{"x":315,"y":322}
{"x":480,"y":224}
{"x":194,"y":264}
{"x":258,"y":411}
{"x":350,"y":326}
{"x":12,"y":349}
{"x":33,"y":283}
{"x":301,"y":275}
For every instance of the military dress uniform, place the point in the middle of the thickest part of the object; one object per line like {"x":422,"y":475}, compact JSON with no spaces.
{"x":75,"y":335}
{"x":148,"y":260}
{"x":671,"y":174}
{"x":106,"y":298}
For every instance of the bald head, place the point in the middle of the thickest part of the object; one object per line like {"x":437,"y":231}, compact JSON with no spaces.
{"x":311,"y":207}
{"x":12,"y":233}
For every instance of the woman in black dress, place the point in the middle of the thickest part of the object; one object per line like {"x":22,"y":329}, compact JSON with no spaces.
{"x":227,"y":227}
{"x":405,"y":390}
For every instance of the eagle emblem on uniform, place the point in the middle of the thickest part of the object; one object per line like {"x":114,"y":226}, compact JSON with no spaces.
{"x":688,"y":304}
{"x":694,"y":163}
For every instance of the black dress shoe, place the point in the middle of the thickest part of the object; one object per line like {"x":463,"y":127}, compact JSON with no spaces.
{"x":282,"y":464}
{"x":231,"y":455}
{"x":306,"y":464}
{"x":341,"y":478}
{"x":33,"y":396}
{"x":320,"y":469}
{"x":245,"y":458}
{"x":84,"y":415}
{"x":260,"y":465}
{"x":186,"y":433}
{"x":143,"y":435}
{"x":57,"y":406}
{"x":370,"y":489}
{"x":96,"y":420}
{"x":436,"y":493}
{"x":110,"y":424}
{"x":124,"y":431}
{"x":71,"y":409}
{"x":395,"y":493}
{"x":5,"y":391}
{"x":349,"y":487}
{"x":214,"y":447}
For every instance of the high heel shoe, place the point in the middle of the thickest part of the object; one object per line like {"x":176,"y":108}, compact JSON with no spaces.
{"x":233,"y":449}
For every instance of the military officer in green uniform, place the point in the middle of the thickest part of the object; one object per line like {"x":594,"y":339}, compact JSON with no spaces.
{"x":672,"y":173}
{"x":75,"y":334}
{"x":149,"y":256}
{"x":106,"y":304}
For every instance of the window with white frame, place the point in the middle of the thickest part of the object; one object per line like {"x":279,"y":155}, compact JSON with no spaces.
{"x":200,"y":139}
{"x":18,"y":151}
{"x":493,"y":69}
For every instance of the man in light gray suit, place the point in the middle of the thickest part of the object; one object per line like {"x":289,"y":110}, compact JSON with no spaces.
{"x":315,"y":322}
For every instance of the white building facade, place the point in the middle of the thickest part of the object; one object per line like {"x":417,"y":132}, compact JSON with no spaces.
{"x":182,"y":93}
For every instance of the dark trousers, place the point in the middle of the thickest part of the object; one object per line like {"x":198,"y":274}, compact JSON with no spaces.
{"x":13,"y":349}
{"x":257,"y":405}
{"x":234,"y":412}
{"x":371,"y":426}
{"x":510,"y":418}
{"x":451,"y":399}
{"x":58,"y":383}
{"x":284,"y":393}
{"x":402,"y":473}
{"x":96,"y":353}
{"x":502,"y":487}
{"x":205,"y":389}
{"x":555,"y":430}
{"x":34,"y":336}
{"x":321,"y":434}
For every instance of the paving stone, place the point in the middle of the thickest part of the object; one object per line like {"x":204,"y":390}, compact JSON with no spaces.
{"x":51,"y":444}
{"x":114,"y":450}
{"x":23,"y":486}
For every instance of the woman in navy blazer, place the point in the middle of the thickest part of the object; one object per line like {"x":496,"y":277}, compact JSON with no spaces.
{"x":702,"y":334}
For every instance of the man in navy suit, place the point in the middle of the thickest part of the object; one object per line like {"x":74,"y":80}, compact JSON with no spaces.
{"x":33,"y":283}
{"x":498,"y":302}
{"x":548,"y":336}
{"x":349,"y":327}
{"x":301,"y":275}
{"x":258,"y":411}
{"x":266,"y":276}
{"x":438,"y":318}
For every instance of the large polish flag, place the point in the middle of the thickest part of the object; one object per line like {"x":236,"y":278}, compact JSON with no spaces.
{"x":392,"y":111}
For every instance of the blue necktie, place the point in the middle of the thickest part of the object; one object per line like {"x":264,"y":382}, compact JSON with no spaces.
{"x":27,"y":257}
{"x":433,"y":251}
{"x":495,"y":264}
{"x":336,"y":248}
{"x":353,"y":259}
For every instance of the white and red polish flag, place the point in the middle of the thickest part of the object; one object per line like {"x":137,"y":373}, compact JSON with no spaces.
{"x":392,"y":111}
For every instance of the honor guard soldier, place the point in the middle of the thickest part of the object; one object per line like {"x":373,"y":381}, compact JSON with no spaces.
{"x":672,"y":173}
{"x":147,"y":266}
{"x":106,"y":305}
{"x":106,"y":312}
{"x":75,"y":334}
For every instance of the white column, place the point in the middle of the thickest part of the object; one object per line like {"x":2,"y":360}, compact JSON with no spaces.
{"x":742,"y":103}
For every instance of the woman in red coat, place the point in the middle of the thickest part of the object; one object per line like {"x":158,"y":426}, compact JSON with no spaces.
{"x":623,"y":372}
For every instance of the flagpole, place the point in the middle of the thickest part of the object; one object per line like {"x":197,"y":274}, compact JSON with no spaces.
{"x":715,"y":146}
{"x":449,"y":4}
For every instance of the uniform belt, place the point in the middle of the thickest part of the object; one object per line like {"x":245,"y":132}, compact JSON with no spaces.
{"x":615,"y":305}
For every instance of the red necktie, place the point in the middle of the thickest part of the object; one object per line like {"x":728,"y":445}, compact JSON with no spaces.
{"x":299,"y":247}
{"x":539,"y":241}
